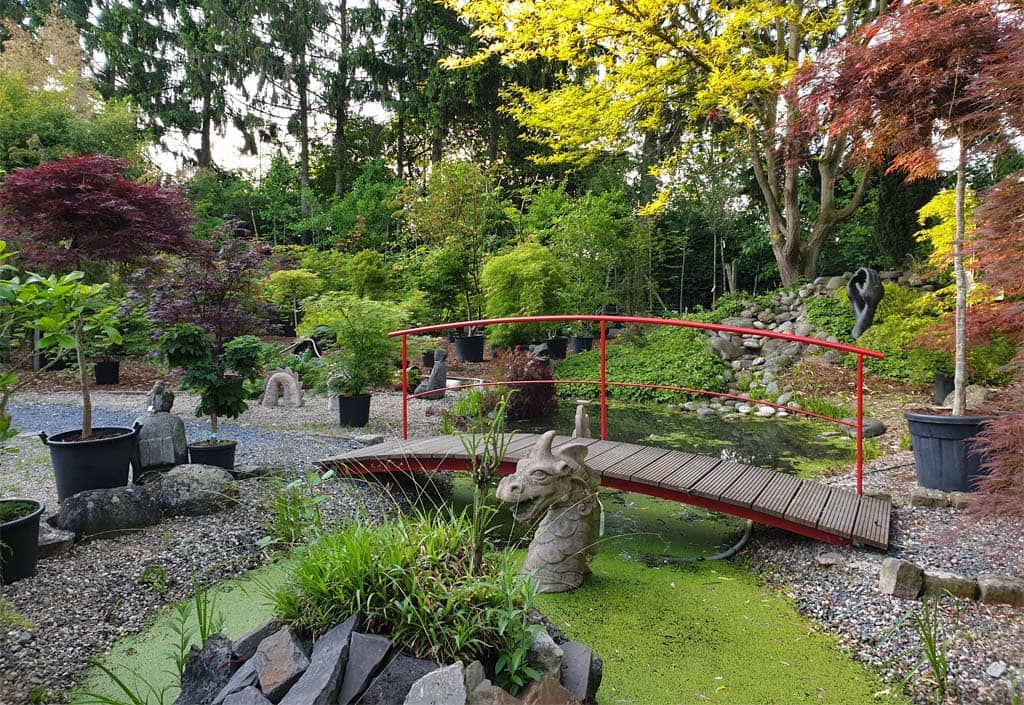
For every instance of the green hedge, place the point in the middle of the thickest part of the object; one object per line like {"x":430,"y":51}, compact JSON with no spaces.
{"x":678,"y":357}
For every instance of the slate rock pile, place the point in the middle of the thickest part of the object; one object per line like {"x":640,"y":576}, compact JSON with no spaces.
{"x":274,"y":665}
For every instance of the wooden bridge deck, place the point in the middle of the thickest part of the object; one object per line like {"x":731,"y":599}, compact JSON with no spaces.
{"x":823,"y":512}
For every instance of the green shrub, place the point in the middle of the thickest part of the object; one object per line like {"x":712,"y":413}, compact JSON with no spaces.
{"x":412,"y":578}
{"x":528,"y":281}
{"x":678,"y":357}
{"x":832,"y":315}
{"x":727,"y":306}
{"x":987,"y":361}
{"x":905,"y":359}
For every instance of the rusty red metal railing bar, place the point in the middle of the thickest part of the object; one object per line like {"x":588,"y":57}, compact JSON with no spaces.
{"x":604,"y":320}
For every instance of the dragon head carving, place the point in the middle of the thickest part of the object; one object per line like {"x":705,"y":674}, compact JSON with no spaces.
{"x":548,"y":479}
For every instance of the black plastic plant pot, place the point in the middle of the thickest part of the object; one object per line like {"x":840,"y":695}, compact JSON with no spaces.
{"x":219,"y":453}
{"x":354,"y":410}
{"x":19,"y":538}
{"x":580,"y":343}
{"x":469,"y":348}
{"x":102,"y":461}
{"x":943,"y":387}
{"x":944,"y":450}
{"x":557,"y":347}
{"x":107,"y":372}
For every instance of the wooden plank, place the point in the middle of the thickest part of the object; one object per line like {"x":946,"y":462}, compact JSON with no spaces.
{"x":808,"y":503}
{"x":658,"y":470}
{"x":715,"y":483}
{"x":596,"y":450}
{"x":776,"y":497}
{"x":748,"y":488}
{"x":690,"y":473}
{"x":839,"y":513}
{"x":613,"y":457}
{"x":636,"y":463}
{"x":872,"y":524}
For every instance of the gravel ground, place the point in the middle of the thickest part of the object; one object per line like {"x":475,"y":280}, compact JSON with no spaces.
{"x":838,"y":588}
{"x":83,"y":601}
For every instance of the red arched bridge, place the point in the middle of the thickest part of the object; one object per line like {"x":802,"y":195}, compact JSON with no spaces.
{"x":823,"y":512}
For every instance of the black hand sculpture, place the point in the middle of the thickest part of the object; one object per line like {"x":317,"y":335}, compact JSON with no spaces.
{"x":865,"y":291}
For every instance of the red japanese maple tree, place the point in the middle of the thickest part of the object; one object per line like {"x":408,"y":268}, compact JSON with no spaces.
{"x":62,"y":214}
{"x":940,"y":74}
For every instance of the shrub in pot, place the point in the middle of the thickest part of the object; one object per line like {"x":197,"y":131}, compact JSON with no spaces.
{"x":526,"y":281}
{"x":19,"y":538}
{"x":363,"y":358}
{"x":219,"y":379}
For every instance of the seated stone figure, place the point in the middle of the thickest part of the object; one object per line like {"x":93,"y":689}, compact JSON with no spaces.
{"x":438,"y":380}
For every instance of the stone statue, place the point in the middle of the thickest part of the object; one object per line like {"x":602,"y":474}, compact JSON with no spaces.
{"x":582,"y":422}
{"x":865,"y":291}
{"x":559,"y":484}
{"x":162,"y":441}
{"x":286,"y":381}
{"x":159,"y":399}
{"x":437,"y":382}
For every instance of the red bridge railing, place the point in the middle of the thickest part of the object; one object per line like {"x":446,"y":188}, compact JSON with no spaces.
{"x":603,"y":320}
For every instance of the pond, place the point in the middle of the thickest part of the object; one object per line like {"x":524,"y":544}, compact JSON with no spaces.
{"x":792,"y":445}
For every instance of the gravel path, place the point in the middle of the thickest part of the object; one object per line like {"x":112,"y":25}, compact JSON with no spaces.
{"x":82,"y":602}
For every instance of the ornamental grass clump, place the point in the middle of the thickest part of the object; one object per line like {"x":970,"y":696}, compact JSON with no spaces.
{"x":412,"y":578}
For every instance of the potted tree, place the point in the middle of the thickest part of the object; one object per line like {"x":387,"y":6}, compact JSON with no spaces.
{"x":363,"y":360}
{"x":19,"y":538}
{"x":872,"y":87}
{"x":85,"y":458}
{"x":526,"y":281}
{"x":84,"y":214}
{"x":218,"y":377}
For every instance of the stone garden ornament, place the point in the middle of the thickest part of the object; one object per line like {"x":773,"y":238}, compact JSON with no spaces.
{"x":558,"y":484}
{"x":283,"y":383}
{"x":865,"y":291}
{"x":438,"y":380}
{"x":162,"y":442}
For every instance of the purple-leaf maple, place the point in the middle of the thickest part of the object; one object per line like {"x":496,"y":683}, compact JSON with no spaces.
{"x":62,"y":214}
{"x":215,"y":288}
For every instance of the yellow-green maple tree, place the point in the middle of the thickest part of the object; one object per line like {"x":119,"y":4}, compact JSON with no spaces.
{"x":637,"y":67}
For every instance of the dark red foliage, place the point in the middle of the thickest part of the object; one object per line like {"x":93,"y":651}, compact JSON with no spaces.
{"x":909,"y":75}
{"x":528,"y":401}
{"x":83,"y":209}
{"x":214,"y":288}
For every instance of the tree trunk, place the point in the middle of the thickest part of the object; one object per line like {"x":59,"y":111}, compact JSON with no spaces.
{"x":302,"y":83}
{"x":83,"y":381}
{"x":205,"y":149}
{"x":400,"y":147}
{"x":960,"y":324}
{"x":341,"y":97}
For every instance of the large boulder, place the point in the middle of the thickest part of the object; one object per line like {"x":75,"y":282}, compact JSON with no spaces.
{"x":194,"y":490}
{"x":108,"y":511}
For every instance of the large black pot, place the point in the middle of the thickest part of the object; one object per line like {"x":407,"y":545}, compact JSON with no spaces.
{"x":219,"y":453}
{"x":354,"y":410}
{"x":107,"y":372}
{"x":943,"y":387}
{"x":101,"y":461}
{"x":469,"y":348}
{"x":580,"y":343}
{"x":943,"y":450}
{"x":557,"y":347}
{"x":19,"y":542}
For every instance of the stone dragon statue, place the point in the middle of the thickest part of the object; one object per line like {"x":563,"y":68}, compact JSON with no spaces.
{"x":560,"y":483}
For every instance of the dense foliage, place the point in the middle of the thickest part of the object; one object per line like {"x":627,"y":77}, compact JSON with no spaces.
{"x":412,"y":579}
{"x":664,"y":356}
{"x":83,"y":209}
{"x":526,"y":281}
